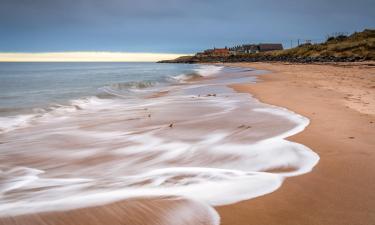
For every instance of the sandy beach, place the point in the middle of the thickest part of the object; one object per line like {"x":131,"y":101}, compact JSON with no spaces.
{"x":142,"y":211}
{"x":339,"y":100}
{"x":186,"y":112}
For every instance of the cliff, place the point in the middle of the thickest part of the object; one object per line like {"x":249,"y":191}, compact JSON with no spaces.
{"x":356,"y":47}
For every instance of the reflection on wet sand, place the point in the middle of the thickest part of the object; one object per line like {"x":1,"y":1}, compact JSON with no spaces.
{"x":143,"y":211}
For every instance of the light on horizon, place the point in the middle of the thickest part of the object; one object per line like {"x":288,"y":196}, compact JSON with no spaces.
{"x":86,"y":57}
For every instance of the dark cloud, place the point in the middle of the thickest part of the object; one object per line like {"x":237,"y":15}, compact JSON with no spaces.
{"x":172,"y":25}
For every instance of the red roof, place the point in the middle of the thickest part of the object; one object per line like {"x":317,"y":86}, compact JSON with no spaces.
{"x":221,"y":50}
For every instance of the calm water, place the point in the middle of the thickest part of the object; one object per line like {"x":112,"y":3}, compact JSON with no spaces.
{"x":26,"y":87}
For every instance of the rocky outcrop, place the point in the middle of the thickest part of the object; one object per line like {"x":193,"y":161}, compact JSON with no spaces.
{"x":356,"y":47}
{"x":267,"y":58}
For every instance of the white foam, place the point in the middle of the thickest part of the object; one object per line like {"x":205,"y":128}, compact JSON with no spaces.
{"x":54,"y":112}
{"x":208,"y":70}
{"x":220,"y":150}
{"x":300,"y":121}
{"x":14,"y":122}
{"x":17,"y":178}
{"x":201,"y":71}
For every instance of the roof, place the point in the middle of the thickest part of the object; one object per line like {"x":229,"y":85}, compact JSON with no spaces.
{"x":270,"y":47}
{"x":221,"y":50}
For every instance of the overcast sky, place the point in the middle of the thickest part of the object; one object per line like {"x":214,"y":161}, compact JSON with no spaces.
{"x":175,"y":26}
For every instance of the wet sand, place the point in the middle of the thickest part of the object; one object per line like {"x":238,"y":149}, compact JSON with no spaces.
{"x":140,"y":211}
{"x":339,"y":100}
{"x":338,"y":191}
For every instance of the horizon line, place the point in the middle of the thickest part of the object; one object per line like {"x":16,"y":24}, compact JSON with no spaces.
{"x":86,"y":56}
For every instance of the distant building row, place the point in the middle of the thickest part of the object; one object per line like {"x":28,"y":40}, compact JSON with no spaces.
{"x":255,"y":48}
{"x":241,"y":49}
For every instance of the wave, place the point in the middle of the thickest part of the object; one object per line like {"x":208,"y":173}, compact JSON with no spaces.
{"x":185,"y":77}
{"x":131,"y":89}
{"x":200,"y":72}
{"x":133,"y":85}
{"x":97,"y":150}
{"x":126,"y":89}
{"x":38,"y":115}
{"x":179,"y":145}
{"x":208,"y":70}
{"x":14,"y":122}
{"x":105,"y":95}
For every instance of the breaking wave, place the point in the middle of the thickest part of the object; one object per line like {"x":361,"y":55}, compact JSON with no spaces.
{"x":201,"y":141}
{"x":131,"y":89}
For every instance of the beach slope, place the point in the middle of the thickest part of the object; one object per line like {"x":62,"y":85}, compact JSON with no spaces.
{"x":339,"y":100}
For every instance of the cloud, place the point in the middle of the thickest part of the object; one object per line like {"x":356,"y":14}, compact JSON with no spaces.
{"x":85,"y":57}
{"x":172,"y":25}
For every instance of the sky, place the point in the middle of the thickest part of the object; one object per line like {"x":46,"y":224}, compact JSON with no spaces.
{"x":88,"y":56}
{"x":172,"y":26}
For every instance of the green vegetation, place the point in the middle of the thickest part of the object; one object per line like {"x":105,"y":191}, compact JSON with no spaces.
{"x":359,"y":46}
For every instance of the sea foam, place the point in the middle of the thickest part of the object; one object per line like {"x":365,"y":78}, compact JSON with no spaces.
{"x":201,"y":141}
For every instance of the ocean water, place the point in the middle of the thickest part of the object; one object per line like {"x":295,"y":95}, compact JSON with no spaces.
{"x":77,"y":135}
{"x":32,"y":89}
{"x":28,"y":86}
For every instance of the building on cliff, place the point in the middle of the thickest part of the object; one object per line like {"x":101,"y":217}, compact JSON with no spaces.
{"x":253,"y":48}
{"x":215,"y":52}
{"x":270,"y":47}
{"x":240,"y":49}
{"x":250,"y":48}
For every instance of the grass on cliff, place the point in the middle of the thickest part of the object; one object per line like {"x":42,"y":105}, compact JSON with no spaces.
{"x":360,"y":44}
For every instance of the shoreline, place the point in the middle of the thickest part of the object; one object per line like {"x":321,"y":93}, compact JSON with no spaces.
{"x":207,"y":98}
{"x":340,"y":188}
{"x":312,"y":198}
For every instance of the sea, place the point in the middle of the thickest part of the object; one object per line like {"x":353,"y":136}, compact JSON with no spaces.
{"x":74,"y":135}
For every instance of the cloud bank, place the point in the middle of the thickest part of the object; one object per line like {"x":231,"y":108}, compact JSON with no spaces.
{"x":181,"y":26}
{"x":85,"y":57}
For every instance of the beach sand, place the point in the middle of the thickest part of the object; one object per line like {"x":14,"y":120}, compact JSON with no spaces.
{"x":339,"y":100}
{"x":136,"y":211}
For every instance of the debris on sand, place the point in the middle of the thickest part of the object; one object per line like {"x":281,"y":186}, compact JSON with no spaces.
{"x":244,"y":127}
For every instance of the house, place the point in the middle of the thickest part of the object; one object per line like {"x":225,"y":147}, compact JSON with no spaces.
{"x":243,"y":49}
{"x":252,"y":48}
{"x":218,"y":52}
{"x":214,"y":52}
{"x":270,"y":47}
{"x":240,"y":49}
